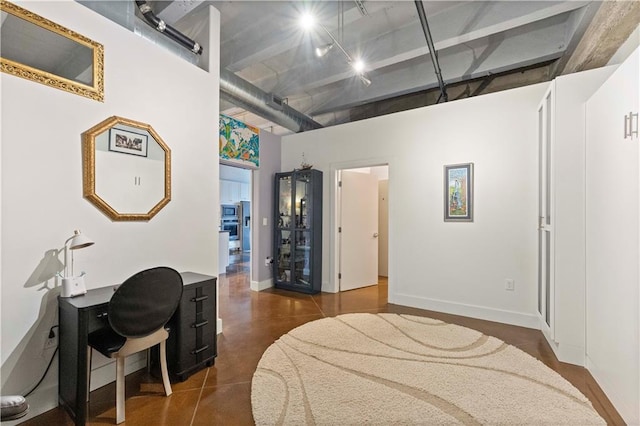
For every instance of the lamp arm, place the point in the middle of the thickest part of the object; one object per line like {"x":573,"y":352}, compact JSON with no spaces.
{"x":66,"y":255}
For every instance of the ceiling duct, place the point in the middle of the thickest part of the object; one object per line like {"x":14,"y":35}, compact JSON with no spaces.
{"x":232,"y":88}
{"x":275,"y":102}
{"x":237,"y":90}
{"x":245,"y":95}
{"x":164,"y":28}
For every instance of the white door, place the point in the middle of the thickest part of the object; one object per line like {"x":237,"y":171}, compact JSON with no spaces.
{"x":359,"y":230}
{"x":546,"y":287}
{"x":613,"y":240}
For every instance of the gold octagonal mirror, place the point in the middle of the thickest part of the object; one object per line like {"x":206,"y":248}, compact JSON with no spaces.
{"x":126,"y":169}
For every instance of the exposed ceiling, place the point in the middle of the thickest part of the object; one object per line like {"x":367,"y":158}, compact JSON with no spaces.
{"x":263,"y":42}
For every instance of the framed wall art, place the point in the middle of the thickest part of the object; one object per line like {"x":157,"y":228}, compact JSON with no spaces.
{"x":128,"y":142}
{"x":239,"y":143}
{"x":458,"y":192}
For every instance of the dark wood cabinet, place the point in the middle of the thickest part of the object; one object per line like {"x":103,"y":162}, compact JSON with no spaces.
{"x":297,"y":239}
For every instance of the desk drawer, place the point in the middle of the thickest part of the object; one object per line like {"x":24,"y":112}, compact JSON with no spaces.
{"x":200,"y":301}
{"x":97,"y":318}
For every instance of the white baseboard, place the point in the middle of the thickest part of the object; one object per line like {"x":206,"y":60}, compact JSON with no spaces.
{"x":473,"y":311}
{"x":261,"y":285}
{"x":566,"y":353}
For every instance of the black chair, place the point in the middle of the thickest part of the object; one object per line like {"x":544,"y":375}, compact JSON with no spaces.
{"x":138,"y":313}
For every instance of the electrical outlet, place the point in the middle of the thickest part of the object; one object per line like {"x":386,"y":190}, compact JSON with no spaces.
{"x":509,"y":284}
{"x":268,"y":261}
{"x":50,"y":342}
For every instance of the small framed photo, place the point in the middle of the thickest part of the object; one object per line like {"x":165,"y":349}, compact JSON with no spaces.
{"x":458,"y":193}
{"x":128,"y":142}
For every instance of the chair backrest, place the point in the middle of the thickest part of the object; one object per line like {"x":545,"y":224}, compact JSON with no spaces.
{"x":145,"y":302}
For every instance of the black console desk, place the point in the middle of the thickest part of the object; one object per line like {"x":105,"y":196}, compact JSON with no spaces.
{"x":191,"y":344}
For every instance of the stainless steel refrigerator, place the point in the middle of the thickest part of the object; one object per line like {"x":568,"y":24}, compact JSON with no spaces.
{"x":245,"y":225}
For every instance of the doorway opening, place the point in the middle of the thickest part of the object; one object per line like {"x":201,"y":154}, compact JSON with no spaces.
{"x":363,"y":227}
{"x":235,"y":220}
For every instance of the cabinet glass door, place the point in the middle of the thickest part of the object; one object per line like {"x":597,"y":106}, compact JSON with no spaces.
{"x":283,"y":234}
{"x":302,"y":204}
{"x":302,"y":258}
{"x":283,"y":256}
{"x":302,"y":242}
{"x":284,"y":200}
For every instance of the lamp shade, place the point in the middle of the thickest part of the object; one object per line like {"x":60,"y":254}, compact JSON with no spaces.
{"x":71,"y":285}
{"x":79,"y":240}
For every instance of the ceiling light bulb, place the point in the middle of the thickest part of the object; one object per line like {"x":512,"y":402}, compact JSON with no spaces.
{"x":323,"y":50}
{"x":358,"y":66}
{"x":307,"y":21}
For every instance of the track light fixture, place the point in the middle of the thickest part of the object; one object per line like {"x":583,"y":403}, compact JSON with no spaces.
{"x":308,"y":22}
{"x":323,"y":50}
{"x":364,"y":80}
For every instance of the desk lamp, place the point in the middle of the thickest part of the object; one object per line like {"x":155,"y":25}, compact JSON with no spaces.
{"x":71,"y":285}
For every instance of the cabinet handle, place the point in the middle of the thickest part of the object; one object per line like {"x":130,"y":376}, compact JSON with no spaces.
{"x":199,"y":324}
{"x":197,"y":351}
{"x":199,"y":298}
{"x":628,"y":125}
{"x":102,"y":315}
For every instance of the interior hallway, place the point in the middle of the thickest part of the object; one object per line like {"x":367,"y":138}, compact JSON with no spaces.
{"x":254,"y":320}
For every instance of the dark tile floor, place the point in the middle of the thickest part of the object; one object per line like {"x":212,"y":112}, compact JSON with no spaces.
{"x":252,"y":321}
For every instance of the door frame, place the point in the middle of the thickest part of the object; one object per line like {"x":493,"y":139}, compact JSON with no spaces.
{"x":333,"y":284}
{"x":252,"y":229}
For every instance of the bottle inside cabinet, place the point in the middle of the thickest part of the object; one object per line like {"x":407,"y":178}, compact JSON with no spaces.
{"x":298,"y":232}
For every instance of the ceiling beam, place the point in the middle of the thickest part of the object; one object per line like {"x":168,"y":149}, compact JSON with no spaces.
{"x":464,"y":89}
{"x":479,"y":20}
{"x":610,"y":27}
{"x":479,"y":58}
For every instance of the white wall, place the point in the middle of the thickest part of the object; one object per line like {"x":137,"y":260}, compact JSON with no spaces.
{"x":42,"y":199}
{"x":613,"y":242}
{"x":263,"y":193}
{"x":450,"y":267}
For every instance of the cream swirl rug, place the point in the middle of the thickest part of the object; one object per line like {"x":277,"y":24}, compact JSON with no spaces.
{"x":401,"y":369}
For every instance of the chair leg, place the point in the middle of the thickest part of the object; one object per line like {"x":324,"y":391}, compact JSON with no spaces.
{"x":120,"y":390}
{"x":163,"y":367}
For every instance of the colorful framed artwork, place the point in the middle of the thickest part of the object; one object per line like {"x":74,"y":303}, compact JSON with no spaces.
{"x":458,"y":193}
{"x":239,"y":143}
